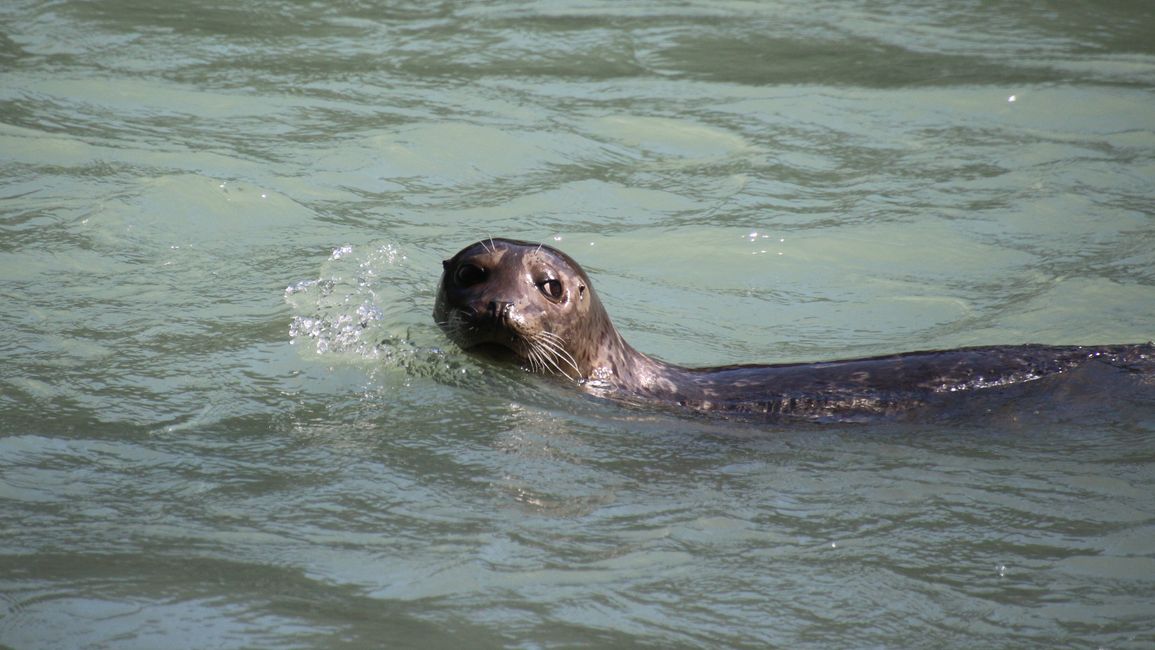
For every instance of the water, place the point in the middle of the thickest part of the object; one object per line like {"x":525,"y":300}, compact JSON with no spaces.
{"x":227,"y":420}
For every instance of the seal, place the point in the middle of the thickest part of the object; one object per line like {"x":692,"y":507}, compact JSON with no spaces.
{"x":533,"y":304}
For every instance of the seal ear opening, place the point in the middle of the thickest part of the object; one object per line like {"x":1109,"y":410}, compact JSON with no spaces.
{"x":581,"y":292}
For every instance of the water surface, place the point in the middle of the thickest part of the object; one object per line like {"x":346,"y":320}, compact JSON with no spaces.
{"x":227,"y":419}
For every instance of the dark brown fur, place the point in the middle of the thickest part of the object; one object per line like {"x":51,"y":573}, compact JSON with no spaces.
{"x":537,"y":304}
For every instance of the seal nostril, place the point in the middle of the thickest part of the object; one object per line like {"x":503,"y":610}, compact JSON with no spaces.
{"x":499,"y":309}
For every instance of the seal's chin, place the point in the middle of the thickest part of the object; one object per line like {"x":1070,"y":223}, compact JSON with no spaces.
{"x":494,"y":351}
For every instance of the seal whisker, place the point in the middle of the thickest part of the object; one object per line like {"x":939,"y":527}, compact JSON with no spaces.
{"x":531,"y":356}
{"x":556,"y":344}
{"x":538,"y":354}
{"x":553,"y":364}
{"x":550,"y":362}
{"x":545,"y":362}
{"x":549,"y":353}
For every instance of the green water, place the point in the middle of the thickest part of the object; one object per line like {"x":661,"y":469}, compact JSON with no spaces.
{"x":213,"y":214}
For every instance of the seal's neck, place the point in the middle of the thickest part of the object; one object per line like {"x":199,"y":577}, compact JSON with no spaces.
{"x":609,"y":363}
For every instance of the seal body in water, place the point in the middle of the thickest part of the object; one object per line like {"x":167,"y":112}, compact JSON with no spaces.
{"x":535,"y":304}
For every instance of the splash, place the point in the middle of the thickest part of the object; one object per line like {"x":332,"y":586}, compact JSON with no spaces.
{"x":348,"y":311}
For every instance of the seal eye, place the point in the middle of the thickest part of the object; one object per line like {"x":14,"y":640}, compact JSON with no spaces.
{"x":468,"y":275}
{"x":551,"y":289}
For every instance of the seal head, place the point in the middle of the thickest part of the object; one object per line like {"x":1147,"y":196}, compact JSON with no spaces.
{"x":526,"y":299}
